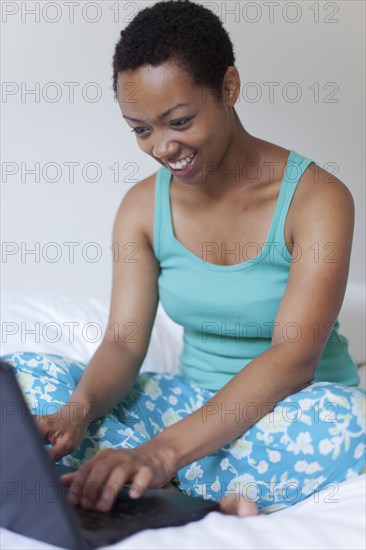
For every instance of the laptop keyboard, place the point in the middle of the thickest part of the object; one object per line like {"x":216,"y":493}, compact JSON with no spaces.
{"x":94,"y":520}
{"x":129,"y":516}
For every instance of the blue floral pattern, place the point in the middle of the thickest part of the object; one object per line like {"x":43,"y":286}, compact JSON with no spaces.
{"x":311,"y":440}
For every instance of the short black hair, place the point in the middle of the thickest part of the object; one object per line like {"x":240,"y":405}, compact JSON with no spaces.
{"x":181,"y":31}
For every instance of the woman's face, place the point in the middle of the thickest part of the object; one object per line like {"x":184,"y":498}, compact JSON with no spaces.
{"x":148,"y":98}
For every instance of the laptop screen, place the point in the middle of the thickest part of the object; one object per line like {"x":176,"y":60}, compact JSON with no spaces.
{"x":33,"y":500}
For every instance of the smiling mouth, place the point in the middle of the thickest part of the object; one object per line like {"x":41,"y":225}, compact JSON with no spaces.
{"x":181,"y":164}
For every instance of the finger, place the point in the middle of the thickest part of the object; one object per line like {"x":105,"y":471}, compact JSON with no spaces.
{"x":113,"y":484}
{"x":59,"y":448}
{"x":99,"y":472}
{"x":141,"y":481}
{"x":77,"y":485}
{"x":67,"y":479}
{"x":43,"y":428}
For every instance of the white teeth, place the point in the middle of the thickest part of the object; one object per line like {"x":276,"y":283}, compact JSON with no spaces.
{"x":180,"y":164}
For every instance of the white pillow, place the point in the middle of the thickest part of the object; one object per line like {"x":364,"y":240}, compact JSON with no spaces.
{"x":73,"y":326}
{"x":352,"y":320}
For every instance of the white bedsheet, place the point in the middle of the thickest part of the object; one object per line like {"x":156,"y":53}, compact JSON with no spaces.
{"x":335,"y":521}
{"x":306,"y":525}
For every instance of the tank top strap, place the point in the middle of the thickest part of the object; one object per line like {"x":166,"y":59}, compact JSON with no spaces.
{"x":296,"y":166}
{"x":161,"y":211}
{"x":163,"y":241}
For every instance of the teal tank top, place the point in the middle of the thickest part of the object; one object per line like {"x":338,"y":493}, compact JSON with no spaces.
{"x":228,"y":312}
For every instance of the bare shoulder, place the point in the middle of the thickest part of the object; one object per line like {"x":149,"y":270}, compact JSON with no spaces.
{"x":137,"y":205}
{"x":321,"y":197}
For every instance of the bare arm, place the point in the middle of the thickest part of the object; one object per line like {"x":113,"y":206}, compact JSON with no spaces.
{"x":112,"y":370}
{"x":314,"y":294}
{"x":313,"y":297}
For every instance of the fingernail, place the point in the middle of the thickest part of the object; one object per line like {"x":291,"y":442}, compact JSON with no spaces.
{"x":103,"y":505}
{"x":86,"y":503}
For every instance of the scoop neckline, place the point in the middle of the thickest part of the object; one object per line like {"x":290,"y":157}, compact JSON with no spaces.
{"x":242,"y":265}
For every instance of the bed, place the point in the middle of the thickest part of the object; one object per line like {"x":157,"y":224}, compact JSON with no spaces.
{"x":334,"y":518}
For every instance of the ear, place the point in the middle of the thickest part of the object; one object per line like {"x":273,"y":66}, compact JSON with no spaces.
{"x":231,"y":86}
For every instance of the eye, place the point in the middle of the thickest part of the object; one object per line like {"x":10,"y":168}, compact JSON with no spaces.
{"x":177,"y":123}
{"x":183,"y":121}
{"x":136,"y":130}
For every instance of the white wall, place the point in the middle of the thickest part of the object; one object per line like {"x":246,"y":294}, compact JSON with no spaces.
{"x":312,"y":54}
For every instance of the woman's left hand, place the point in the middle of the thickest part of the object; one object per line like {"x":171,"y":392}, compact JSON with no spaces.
{"x":98,"y":481}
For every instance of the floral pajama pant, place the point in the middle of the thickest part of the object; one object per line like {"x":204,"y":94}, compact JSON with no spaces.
{"x":312,"y":440}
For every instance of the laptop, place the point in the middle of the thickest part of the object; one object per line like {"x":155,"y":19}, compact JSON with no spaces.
{"x":34,"y":501}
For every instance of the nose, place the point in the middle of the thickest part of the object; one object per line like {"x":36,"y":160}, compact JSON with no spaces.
{"x":164,"y":148}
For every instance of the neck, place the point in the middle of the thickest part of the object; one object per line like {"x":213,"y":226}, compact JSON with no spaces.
{"x":238,"y":168}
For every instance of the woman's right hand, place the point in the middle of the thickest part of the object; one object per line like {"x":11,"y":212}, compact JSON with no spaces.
{"x":64,"y":429}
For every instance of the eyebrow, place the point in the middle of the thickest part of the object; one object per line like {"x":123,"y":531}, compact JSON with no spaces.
{"x":163,"y":115}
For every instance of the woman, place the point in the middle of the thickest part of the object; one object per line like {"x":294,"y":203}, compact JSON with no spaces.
{"x":247,"y":245}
